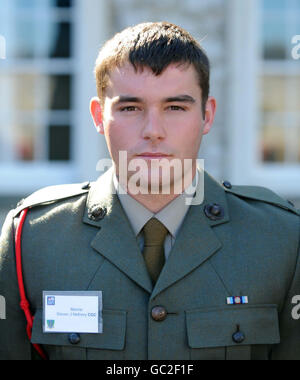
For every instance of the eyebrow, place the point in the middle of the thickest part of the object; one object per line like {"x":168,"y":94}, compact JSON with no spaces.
{"x":128,"y":99}
{"x":178,"y":98}
{"x":181,"y":98}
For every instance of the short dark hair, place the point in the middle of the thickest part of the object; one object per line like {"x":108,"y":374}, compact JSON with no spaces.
{"x":155,"y":45}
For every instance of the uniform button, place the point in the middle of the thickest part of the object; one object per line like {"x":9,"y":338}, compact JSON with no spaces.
{"x":214,"y":211}
{"x":74,"y":338}
{"x":227,"y":184}
{"x":238,"y":337}
{"x":97,"y":213}
{"x":159,"y":313}
{"x":85,"y":186}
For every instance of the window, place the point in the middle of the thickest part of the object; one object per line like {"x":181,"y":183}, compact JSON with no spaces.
{"x":36,"y":89}
{"x":263,"y":91}
{"x":36,"y":92}
{"x":279,"y":136}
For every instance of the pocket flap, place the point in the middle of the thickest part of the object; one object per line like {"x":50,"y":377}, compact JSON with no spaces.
{"x":215,"y":327}
{"x":112,"y":338}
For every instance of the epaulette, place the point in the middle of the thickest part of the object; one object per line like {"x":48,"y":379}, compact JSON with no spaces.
{"x":260,"y":194}
{"x":51,"y":194}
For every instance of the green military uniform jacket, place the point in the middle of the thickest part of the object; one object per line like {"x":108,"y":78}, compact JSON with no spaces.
{"x":78,"y":238}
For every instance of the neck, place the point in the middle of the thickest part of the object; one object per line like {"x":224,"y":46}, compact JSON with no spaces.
{"x":156,"y":202}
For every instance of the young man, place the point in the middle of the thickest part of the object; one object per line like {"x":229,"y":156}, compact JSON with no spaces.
{"x":216,"y":279}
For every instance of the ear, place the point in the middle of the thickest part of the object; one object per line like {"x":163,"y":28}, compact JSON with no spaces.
{"x":210,"y":111}
{"x":97,"y":114}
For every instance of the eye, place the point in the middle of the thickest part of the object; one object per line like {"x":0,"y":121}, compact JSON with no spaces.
{"x":128,"y":109}
{"x":176,"y":108}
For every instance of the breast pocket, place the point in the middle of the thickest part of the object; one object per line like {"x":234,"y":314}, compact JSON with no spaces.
{"x":108,"y":345}
{"x":229,"y":332}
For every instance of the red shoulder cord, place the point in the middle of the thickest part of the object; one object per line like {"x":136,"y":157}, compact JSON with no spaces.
{"x":24,"y":304}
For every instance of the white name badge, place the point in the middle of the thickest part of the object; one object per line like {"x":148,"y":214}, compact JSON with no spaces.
{"x":77,"y":312}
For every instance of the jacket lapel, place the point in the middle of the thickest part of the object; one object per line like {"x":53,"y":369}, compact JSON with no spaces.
{"x":116,"y":240}
{"x":196,"y":241}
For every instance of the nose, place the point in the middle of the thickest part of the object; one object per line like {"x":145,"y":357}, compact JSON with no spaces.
{"x":154,"y":127}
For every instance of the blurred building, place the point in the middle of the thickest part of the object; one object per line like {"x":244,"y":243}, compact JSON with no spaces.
{"x":46,"y":82}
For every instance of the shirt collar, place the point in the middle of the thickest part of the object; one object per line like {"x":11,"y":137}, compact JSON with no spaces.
{"x":172,"y":215}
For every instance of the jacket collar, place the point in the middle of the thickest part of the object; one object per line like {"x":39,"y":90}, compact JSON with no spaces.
{"x":116,"y":241}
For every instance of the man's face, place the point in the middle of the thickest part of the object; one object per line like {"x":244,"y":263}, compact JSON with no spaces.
{"x":153,"y":117}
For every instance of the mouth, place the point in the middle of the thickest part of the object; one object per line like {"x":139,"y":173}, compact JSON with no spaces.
{"x":151,"y":155}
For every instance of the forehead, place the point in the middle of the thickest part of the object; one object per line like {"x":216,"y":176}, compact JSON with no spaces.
{"x":175,"y":79}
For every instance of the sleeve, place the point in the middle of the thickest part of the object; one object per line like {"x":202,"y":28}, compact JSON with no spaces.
{"x":14,"y":343}
{"x":289,"y":319}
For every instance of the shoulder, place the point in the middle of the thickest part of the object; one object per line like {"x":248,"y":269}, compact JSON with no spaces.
{"x":266,"y":218}
{"x":261,"y":195}
{"x":51,"y":194}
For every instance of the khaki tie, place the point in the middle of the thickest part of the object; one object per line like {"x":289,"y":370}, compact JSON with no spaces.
{"x":154,"y":236}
